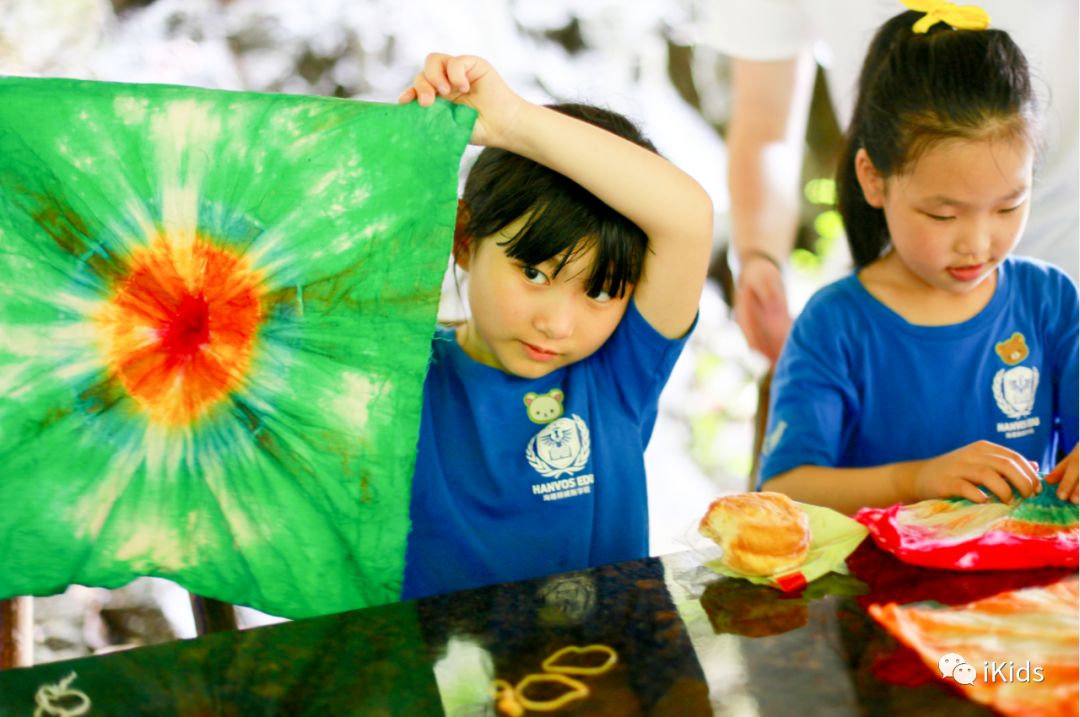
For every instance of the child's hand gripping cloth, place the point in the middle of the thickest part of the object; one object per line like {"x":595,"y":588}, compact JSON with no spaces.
{"x":216,"y":311}
{"x":1015,"y":651}
{"x":955,"y":533}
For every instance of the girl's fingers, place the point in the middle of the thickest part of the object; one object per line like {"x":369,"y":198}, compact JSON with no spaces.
{"x":971,"y":492}
{"x":445,"y":76}
{"x":1017,"y":470}
{"x":435,"y":72}
{"x":1066,"y":474}
{"x":996,"y":484}
{"x":1066,"y":466}
{"x":457,"y":72}
{"x":1069,"y":486}
{"x":1025,"y":484}
{"x":1038,"y":476}
{"x":425,"y":93}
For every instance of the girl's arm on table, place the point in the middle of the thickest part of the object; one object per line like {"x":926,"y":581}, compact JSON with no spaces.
{"x":663,"y":201}
{"x":958,"y":473}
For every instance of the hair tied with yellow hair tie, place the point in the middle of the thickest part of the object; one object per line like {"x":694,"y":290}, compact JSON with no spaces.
{"x":961,"y":17}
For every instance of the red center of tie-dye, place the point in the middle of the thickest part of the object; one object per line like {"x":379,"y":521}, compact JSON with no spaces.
{"x":185,"y":334}
{"x":180,"y":327}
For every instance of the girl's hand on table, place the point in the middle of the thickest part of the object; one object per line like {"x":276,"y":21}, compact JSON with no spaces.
{"x":1066,"y":473}
{"x":963,"y":471}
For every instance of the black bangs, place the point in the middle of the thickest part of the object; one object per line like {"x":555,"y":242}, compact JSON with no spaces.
{"x":561,"y":218}
{"x":563,"y":230}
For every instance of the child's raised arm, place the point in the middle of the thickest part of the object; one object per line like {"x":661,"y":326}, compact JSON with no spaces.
{"x":958,"y":473}
{"x":663,"y":201}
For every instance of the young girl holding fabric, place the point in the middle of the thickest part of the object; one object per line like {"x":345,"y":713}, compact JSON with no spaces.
{"x":586,"y":254}
{"x":942,"y":366}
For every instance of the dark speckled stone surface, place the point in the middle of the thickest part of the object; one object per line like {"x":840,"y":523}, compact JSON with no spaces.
{"x":689,"y":643}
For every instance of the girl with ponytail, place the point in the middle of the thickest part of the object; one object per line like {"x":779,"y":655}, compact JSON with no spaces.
{"x":943,"y":366}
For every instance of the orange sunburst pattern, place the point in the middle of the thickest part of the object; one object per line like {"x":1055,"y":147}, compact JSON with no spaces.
{"x":180,"y":328}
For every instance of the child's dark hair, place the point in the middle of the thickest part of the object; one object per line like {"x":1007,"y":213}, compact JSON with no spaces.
{"x":916,"y":90}
{"x":562,"y":218}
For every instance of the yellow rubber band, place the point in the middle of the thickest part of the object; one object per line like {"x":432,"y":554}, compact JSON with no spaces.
{"x":511,"y":700}
{"x":578,"y":691}
{"x":549,"y":665}
{"x":506,"y":700}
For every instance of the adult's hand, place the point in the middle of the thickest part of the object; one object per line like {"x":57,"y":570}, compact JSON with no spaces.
{"x":761,"y":308}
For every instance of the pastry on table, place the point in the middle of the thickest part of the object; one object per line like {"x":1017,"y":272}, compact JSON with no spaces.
{"x":760,"y":534}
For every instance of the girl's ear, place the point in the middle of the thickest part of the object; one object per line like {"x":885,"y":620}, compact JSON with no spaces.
{"x":462,"y":238}
{"x":870,"y":180}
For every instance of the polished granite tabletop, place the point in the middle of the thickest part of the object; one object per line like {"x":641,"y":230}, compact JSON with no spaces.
{"x":688,"y":643}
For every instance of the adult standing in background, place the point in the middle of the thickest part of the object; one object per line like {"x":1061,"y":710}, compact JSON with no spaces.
{"x":775,"y":45}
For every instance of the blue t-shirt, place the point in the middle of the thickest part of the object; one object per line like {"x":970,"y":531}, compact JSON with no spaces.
{"x":517,"y":478}
{"x":859,"y":386}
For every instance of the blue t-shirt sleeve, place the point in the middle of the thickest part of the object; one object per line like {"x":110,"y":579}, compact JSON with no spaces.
{"x":812,"y":396}
{"x":636,"y":362}
{"x":1066,"y":345}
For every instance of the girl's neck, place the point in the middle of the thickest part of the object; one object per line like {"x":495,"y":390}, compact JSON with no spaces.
{"x":919,"y":303}
{"x":474,"y":348}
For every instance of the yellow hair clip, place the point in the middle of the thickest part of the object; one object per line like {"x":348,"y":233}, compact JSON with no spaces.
{"x":962,"y":17}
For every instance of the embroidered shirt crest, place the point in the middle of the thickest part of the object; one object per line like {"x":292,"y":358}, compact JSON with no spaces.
{"x":1014,"y":390}
{"x":562,"y":446}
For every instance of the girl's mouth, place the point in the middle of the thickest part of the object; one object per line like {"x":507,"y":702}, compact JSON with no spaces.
{"x":537,"y":353}
{"x":966,"y":273}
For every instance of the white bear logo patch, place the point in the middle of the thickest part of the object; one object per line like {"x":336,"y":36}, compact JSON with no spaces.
{"x":544,"y":407}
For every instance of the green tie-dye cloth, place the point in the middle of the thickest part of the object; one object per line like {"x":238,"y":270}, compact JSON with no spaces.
{"x":216,"y":311}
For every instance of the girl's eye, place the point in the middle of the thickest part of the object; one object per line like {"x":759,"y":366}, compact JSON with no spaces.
{"x":1009,"y":210}
{"x":939,"y":217}
{"x":601,"y":296}
{"x":534,"y":275}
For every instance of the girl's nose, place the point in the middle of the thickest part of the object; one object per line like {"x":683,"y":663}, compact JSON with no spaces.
{"x":555,"y":319}
{"x":975,"y":240}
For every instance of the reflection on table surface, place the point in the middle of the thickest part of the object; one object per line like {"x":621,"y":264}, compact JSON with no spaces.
{"x":688,"y":642}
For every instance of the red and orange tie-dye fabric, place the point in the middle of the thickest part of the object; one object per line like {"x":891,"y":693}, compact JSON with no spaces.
{"x":216,"y":311}
{"x":1018,"y":649}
